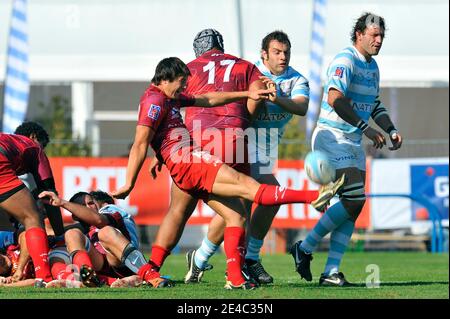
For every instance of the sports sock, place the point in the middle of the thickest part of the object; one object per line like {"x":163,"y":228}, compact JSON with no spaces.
{"x":133,"y":258}
{"x":59,"y":271}
{"x":158,"y":255}
{"x":80,"y":258}
{"x":234,"y":241}
{"x":339,"y":240}
{"x":253,"y":247}
{"x":270,"y":195}
{"x":148,"y":271}
{"x":206,"y":250}
{"x":37,"y":245}
{"x":329,"y":221}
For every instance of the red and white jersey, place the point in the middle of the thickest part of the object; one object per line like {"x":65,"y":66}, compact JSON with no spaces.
{"x":162,"y":115}
{"x":216,"y":71}
{"x":25,"y":156}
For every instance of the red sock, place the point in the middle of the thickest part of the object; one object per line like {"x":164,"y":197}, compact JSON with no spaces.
{"x":59,"y":271}
{"x":159,"y":254}
{"x":37,"y":244}
{"x":234,"y":238}
{"x":80,"y":258}
{"x":149,"y":271}
{"x":270,"y":195}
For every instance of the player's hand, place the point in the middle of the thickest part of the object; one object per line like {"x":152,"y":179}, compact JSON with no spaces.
{"x":51,"y":198}
{"x":5,"y":280}
{"x":155,"y":166}
{"x":376,"y":137}
{"x":396,"y":140}
{"x":18,"y":275}
{"x":122,"y":192}
{"x":270,"y":85}
{"x":260,"y":94}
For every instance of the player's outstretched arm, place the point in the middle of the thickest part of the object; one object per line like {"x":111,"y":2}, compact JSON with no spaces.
{"x":297,"y":105}
{"x":84,"y":213}
{"x":23,"y":258}
{"x":138,"y":153}
{"x":221,"y":98}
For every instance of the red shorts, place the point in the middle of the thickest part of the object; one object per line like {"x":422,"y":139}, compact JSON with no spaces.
{"x":195,"y":173}
{"x":8,"y":178}
{"x":232,"y":149}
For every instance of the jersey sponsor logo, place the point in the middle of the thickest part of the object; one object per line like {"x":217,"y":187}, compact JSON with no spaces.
{"x":154,"y":112}
{"x":339,"y":71}
{"x":272,"y":116}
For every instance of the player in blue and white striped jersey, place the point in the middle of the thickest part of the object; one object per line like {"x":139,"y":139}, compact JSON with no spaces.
{"x":292,"y":97}
{"x":351,"y":98}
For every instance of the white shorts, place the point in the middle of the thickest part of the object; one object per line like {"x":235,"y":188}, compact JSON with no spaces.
{"x":341,"y":151}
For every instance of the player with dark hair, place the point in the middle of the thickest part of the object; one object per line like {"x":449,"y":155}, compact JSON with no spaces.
{"x":37,"y":133}
{"x":351,"y":98}
{"x":108,"y":248}
{"x":20,"y":155}
{"x":198,"y":172}
{"x":211,"y":71}
{"x":292,"y":97}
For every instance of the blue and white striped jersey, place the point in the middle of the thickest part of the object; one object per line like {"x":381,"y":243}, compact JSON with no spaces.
{"x":358,"y":80}
{"x":128,"y":220}
{"x":290,"y":84}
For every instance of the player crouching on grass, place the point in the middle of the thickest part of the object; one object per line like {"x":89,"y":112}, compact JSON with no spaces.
{"x":198,"y":172}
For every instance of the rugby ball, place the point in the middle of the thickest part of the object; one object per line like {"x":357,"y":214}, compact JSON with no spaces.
{"x":319,"y":168}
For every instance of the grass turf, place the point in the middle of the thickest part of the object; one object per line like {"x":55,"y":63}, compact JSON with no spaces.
{"x":403,"y":275}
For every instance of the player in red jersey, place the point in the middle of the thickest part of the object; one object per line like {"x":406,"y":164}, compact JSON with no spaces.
{"x":211,"y":71}
{"x":197,"y":172}
{"x":15,"y":264}
{"x":106,"y":248}
{"x":37,"y":133}
{"x":20,"y":155}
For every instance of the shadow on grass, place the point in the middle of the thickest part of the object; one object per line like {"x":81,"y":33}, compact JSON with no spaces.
{"x":363,"y":285}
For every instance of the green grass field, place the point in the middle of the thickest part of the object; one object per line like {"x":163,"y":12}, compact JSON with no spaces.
{"x":403,"y":275}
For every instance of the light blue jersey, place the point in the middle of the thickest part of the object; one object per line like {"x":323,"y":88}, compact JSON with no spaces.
{"x":127,"y":219}
{"x":358,"y":80}
{"x":290,"y":84}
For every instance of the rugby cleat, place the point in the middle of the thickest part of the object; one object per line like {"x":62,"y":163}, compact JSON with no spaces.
{"x":302,"y":261}
{"x":159,"y":282}
{"x":89,"y":277}
{"x":336,"y":280}
{"x":39,"y":283}
{"x":256,"y":271}
{"x":194,"y":274}
{"x":326,"y":193}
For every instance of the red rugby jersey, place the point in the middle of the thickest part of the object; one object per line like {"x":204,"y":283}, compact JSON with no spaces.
{"x":217,"y":71}
{"x":162,"y":114}
{"x":25,"y":156}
